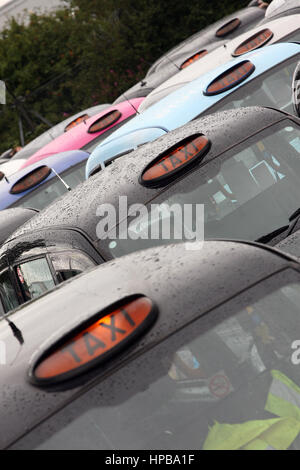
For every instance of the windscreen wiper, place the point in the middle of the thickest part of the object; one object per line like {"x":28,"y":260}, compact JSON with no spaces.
{"x":294,"y":217}
{"x":267,"y":238}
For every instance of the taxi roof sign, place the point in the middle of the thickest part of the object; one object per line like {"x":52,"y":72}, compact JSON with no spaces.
{"x":30,"y":180}
{"x":175,"y":160}
{"x":76,"y":121}
{"x":95,"y":342}
{"x":228,"y":28}
{"x":105,"y":121}
{"x":193,"y":59}
{"x":254,"y":42}
{"x":230,"y":79}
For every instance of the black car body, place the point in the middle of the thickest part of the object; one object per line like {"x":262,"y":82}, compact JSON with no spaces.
{"x":12,"y":219}
{"x":221,"y":333}
{"x":246,"y":178}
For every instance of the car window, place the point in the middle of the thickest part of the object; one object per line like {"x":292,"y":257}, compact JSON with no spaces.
{"x":273,"y":88}
{"x":35,"y":278}
{"x":230,"y":380}
{"x":69,"y":264}
{"x":46,"y":193}
{"x":247,"y":193}
{"x":294,"y":37}
{"x":7,"y":292}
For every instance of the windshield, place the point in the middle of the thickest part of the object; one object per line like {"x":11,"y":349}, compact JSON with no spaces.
{"x":247,"y":193}
{"x":46,"y":193}
{"x":273,"y":88}
{"x":230,"y":380}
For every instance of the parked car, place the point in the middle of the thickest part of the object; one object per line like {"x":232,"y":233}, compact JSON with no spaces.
{"x":116,"y":360}
{"x":41,"y":183}
{"x":20,"y":157}
{"x":226,"y":28}
{"x":279,"y":30}
{"x":193,"y":48}
{"x":241,"y":166}
{"x":88,"y":134}
{"x":263,"y":77}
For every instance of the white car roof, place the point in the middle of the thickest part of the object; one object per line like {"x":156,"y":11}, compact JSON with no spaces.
{"x":280,"y":6}
{"x":281,"y":27}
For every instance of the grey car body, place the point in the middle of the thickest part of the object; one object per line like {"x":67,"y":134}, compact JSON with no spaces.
{"x":186,"y":287}
{"x":170,"y":63}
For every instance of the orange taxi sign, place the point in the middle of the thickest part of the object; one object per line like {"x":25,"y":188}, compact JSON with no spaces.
{"x":230,"y":79}
{"x":77,"y":121}
{"x":254,"y":42}
{"x":193,"y":59}
{"x":33,"y":178}
{"x":167,"y":165}
{"x":94,"y":344}
{"x":228,"y":28}
{"x":105,"y":121}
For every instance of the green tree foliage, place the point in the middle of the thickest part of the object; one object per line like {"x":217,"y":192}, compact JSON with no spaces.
{"x":90,"y":53}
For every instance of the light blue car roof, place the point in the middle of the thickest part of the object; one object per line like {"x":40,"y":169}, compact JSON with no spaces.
{"x":186,"y":103}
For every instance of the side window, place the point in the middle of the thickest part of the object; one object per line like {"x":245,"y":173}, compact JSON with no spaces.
{"x":35,"y":278}
{"x":7,"y":292}
{"x":69,"y":264}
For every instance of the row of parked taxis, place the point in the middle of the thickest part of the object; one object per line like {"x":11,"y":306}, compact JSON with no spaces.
{"x":156,"y":305}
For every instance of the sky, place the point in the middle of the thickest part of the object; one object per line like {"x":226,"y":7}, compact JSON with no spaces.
{"x":10,"y":8}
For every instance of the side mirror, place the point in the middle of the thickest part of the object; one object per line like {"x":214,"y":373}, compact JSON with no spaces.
{"x":296,"y":90}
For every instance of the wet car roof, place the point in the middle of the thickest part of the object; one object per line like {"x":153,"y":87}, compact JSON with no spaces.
{"x":224,"y":129}
{"x":170,"y":276}
{"x":12,"y":219}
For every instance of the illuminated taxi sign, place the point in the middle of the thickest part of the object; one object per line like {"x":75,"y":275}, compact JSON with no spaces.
{"x":174,"y":161}
{"x":254,"y":42}
{"x":77,"y":121}
{"x":228,"y":28}
{"x":94,"y":343}
{"x":33,"y":178}
{"x":193,"y":59}
{"x":230,"y":78}
{"x":105,"y":121}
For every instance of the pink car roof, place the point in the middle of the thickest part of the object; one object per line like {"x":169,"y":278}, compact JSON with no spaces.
{"x":79,"y":136}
